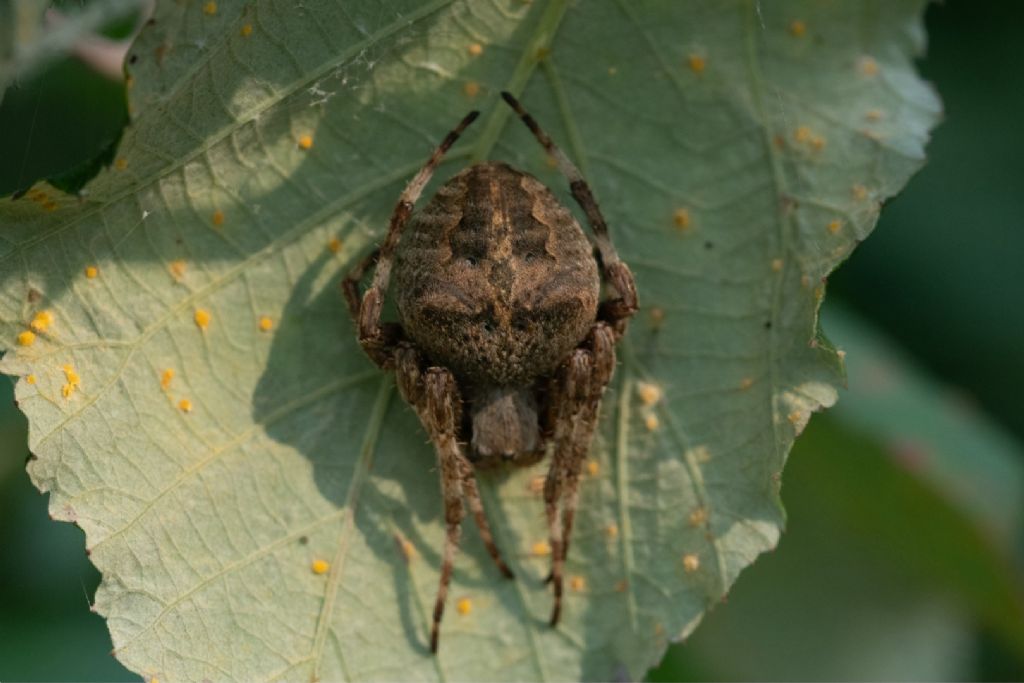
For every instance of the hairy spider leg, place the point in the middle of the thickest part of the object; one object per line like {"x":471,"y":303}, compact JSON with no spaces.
{"x":373,"y":338}
{"x":578,"y":388}
{"x":616,"y":311}
{"x":350,"y":285}
{"x":434,"y":395}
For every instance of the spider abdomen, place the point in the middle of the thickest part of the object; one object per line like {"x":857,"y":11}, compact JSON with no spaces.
{"x":495,"y":278}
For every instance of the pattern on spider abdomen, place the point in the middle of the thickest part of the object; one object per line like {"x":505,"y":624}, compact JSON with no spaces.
{"x":495,"y":278}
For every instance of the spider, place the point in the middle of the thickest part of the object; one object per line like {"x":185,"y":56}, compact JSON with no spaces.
{"x":503,"y":348}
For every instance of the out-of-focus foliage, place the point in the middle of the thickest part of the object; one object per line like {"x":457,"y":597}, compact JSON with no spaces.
{"x":28,"y":42}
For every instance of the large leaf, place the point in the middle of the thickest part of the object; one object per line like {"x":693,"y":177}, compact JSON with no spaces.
{"x":739,"y":153}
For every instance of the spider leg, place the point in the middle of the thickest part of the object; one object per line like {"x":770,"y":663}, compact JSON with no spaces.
{"x":434,"y":395}
{"x":578,"y":388}
{"x":615,"y":311}
{"x":476,"y":506}
{"x":350,"y":285}
{"x":373,"y":336}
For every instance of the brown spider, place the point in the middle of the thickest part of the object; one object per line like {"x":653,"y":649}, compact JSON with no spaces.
{"x":503,"y":345}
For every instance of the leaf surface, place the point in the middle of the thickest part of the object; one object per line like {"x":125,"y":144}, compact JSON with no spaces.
{"x":738,"y":151}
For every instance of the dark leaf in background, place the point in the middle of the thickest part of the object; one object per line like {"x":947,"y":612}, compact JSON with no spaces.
{"x":62,"y":125}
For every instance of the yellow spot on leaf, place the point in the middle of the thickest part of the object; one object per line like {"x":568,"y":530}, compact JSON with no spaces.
{"x":746,"y":383}
{"x":835,"y":225}
{"x":649,"y":393}
{"x":41,"y":321}
{"x":681,"y":217}
{"x":657,"y":317}
{"x":797,"y":28}
{"x":859,"y":192}
{"x":697,"y":63}
{"x":71,"y":375}
{"x":698,"y":516}
{"x":210,"y":8}
{"x":334,"y":245}
{"x":472,"y":89}
{"x":305,"y":141}
{"x":802,"y":134}
{"x":218,"y":217}
{"x":165,"y":378}
{"x":408,"y":549}
{"x":246,"y":30}
{"x":27,"y":338}
{"x":541,"y":548}
{"x":536,"y":485}
{"x":464,"y":606}
{"x":476,"y":49}
{"x":593,"y":468}
{"x":874,"y":115}
{"x":31,"y":379}
{"x":776,"y":265}
{"x":185,"y":405}
{"x":72,"y":383}
{"x":612,"y":531}
{"x":867,"y":66}
{"x":266,"y":324}
{"x":651,"y":422}
{"x":794,"y":417}
{"x":91,"y":272}
{"x":202,"y":318}
{"x":621,"y":586}
{"x":691,"y":563}
{"x":121,"y":163}
{"x":818,"y":143}
{"x":177,"y":268}
{"x":320,"y":566}
{"x":577,"y":583}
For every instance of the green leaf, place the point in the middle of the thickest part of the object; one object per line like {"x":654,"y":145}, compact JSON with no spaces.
{"x":62,"y":124}
{"x":721,"y":140}
{"x":932,"y":430}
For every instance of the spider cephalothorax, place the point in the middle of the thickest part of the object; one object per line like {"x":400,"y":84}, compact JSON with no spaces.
{"x":503,"y":345}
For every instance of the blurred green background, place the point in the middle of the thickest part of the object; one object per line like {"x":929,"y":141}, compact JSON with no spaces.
{"x":904,"y":553}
